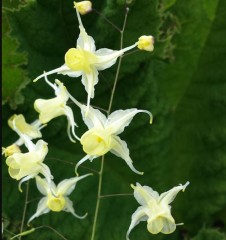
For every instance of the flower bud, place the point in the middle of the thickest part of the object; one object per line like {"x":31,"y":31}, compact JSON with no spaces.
{"x":83,"y":7}
{"x":10,"y":150}
{"x":146,"y":43}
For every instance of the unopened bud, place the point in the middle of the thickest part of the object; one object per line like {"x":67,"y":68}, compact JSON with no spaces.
{"x":10,"y":150}
{"x":83,"y":7}
{"x":146,"y":43}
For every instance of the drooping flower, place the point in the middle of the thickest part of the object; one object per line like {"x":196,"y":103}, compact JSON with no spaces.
{"x":146,"y":43}
{"x":85,"y":61}
{"x":154,"y":209}
{"x":103,"y":132}
{"x":83,"y":7}
{"x":24,"y":166}
{"x":58,"y":201}
{"x":19,"y":125}
{"x":55,"y":107}
{"x":10,"y":150}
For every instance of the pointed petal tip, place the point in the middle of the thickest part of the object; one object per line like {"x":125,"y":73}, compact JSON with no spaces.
{"x":132,"y":186}
{"x":185,"y":185}
{"x":151,"y":120}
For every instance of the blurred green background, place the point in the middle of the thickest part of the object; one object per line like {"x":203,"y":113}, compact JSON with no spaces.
{"x":183,"y":83}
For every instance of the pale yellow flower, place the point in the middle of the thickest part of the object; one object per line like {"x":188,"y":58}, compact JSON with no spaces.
{"x":10,"y":150}
{"x":55,"y":107}
{"x":20,"y":126}
{"x":83,"y":7}
{"x":58,"y":201}
{"x":146,"y":43}
{"x":103,"y":132}
{"x":24,"y":166}
{"x":154,"y":209}
{"x":86,"y":61}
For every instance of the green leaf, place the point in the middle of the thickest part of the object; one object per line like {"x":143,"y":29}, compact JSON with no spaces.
{"x":14,"y":75}
{"x":209,"y":234}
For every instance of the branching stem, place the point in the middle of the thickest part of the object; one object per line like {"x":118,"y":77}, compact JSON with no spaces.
{"x":99,"y":196}
{"x":116,"y":195}
{"x":52,"y":229}
{"x":106,"y":19}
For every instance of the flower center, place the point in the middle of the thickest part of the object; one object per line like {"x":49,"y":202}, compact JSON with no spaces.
{"x":56,"y":204}
{"x":79,"y":59}
{"x":96,"y":142}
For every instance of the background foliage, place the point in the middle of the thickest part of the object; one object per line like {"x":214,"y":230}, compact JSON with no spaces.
{"x":182,"y":83}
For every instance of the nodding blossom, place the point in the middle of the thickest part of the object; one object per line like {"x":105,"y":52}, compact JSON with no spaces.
{"x":55,"y":107}
{"x":84,"y":60}
{"x":155,"y":209}
{"x":103,"y":132}
{"x":24,"y":166}
{"x":18,"y":124}
{"x":56,"y":197}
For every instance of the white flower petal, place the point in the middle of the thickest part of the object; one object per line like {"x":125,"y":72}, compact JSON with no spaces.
{"x":144,"y":194}
{"x":120,"y":149}
{"x":45,"y":171}
{"x":71,"y":73}
{"x":106,"y":58}
{"x":120,"y":119}
{"x":138,"y":216}
{"x":94,"y":118}
{"x":59,"y":70}
{"x":66,"y":186}
{"x":69,"y":208}
{"x":80,"y":162}
{"x":71,"y":123}
{"x":41,"y":209}
{"x":169,"y":196}
{"x":89,"y":80}
{"x":43,"y":186}
{"x":85,"y":41}
{"x":26,"y":179}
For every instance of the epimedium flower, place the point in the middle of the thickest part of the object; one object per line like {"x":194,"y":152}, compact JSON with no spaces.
{"x":86,"y":61}
{"x":58,"y":201}
{"x":18,"y":124}
{"x":103,"y":132}
{"x":24,"y":166}
{"x":155,"y":209}
{"x":55,"y":107}
{"x":83,"y":7}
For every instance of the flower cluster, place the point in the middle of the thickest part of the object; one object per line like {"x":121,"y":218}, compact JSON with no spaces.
{"x":101,"y":137}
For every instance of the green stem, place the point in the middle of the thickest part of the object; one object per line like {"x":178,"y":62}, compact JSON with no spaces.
{"x":116,"y":195}
{"x":108,"y":113}
{"x":98,"y":198}
{"x":52,"y":229}
{"x":25,"y":209}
